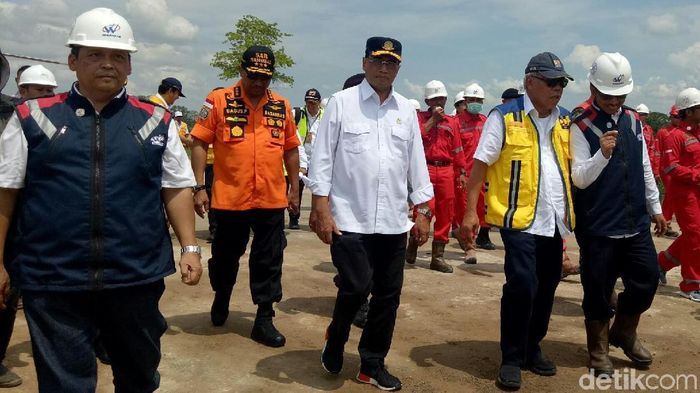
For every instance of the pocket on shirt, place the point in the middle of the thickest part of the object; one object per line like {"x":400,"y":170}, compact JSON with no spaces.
{"x":520,"y":141}
{"x":356,"y":138}
{"x":400,"y":136}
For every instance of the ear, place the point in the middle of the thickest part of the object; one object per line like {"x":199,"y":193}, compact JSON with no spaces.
{"x":364,"y":64}
{"x":72,"y":62}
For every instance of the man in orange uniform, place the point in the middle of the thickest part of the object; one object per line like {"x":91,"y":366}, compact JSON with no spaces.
{"x":443,"y":154}
{"x":666,"y":206}
{"x":471,"y":122}
{"x":253,"y":133}
{"x":681,"y":161}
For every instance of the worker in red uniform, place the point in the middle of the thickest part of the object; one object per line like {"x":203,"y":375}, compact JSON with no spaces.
{"x":681,"y":161}
{"x":471,"y":122}
{"x":650,"y":140}
{"x":666,"y":206}
{"x":443,"y":154}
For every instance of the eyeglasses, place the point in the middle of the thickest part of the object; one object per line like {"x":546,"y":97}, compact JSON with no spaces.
{"x":552,"y":83}
{"x":390,"y":64}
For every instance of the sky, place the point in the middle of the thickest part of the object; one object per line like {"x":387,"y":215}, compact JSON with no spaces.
{"x":456,"y":42}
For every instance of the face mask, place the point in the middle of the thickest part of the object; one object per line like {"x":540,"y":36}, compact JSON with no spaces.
{"x":474,"y":107}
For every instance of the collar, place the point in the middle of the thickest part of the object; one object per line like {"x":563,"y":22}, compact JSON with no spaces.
{"x":120,"y":97}
{"x":367,"y":91}
{"x":527,"y":105}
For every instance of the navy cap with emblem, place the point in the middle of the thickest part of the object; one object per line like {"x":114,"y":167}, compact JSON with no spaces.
{"x":548,"y":65}
{"x":172,"y":82}
{"x":378,"y":46}
{"x":259,"y":60}
{"x":312,"y":95}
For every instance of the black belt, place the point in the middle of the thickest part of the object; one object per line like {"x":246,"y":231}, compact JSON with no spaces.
{"x":439,"y":163}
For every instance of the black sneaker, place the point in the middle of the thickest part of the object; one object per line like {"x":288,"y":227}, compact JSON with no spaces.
{"x":484,"y":243}
{"x":294,"y":223}
{"x":361,"y":316}
{"x":508,"y":377}
{"x":380,"y":378}
{"x":331,"y":357}
{"x":540,"y":365}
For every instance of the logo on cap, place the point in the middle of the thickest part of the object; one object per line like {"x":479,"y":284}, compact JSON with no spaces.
{"x":111,"y":29}
{"x":594,"y":68}
{"x":618,"y":79}
{"x":557,"y":63}
{"x":388,"y":45}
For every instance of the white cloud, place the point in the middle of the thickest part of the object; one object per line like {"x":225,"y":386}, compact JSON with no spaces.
{"x":688,"y":58}
{"x":663,"y":24}
{"x":583,"y":55}
{"x":168,"y":25}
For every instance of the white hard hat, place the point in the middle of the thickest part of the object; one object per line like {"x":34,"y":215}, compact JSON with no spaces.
{"x":474,"y":90}
{"x":459,"y":97}
{"x":688,"y":98}
{"x":177,"y":114}
{"x":434,"y":89}
{"x":611,"y":74}
{"x":37,"y":75}
{"x":102,"y":28}
{"x":4,"y":70}
{"x":643,"y":109}
{"x":415,"y":103}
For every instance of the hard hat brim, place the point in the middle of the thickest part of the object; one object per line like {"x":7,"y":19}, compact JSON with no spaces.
{"x":102,"y":44}
{"x":620,"y":91}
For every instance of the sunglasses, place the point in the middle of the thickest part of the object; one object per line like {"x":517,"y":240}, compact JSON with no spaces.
{"x":258,"y":77}
{"x":551,"y":83}
{"x":390,"y":64}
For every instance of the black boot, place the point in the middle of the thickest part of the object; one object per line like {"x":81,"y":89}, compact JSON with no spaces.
{"x":264,"y":331}
{"x":219,"y":308}
{"x":483,"y":240}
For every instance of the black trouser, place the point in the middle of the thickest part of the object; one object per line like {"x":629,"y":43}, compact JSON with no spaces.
{"x":603,"y":260}
{"x":368,"y":263}
{"x":7,"y":321}
{"x":533,"y":270}
{"x":265,"y":262}
{"x":209,"y":182}
{"x":296,"y":216}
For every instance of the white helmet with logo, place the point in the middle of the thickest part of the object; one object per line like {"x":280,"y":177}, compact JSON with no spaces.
{"x":37,"y":75}
{"x":415,"y":103}
{"x":643,"y":109}
{"x":102,"y":28}
{"x":611,"y":74}
{"x":474,"y":90}
{"x":435,"y":89}
{"x":688,"y":98}
{"x":459,"y":97}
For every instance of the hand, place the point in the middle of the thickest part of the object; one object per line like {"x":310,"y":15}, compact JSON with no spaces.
{"x":470,"y":225}
{"x":323,"y":225}
{"x":303,"y":171}
{"x":421,"y":229}
{"x":4,"y":285}
{"x":661,"y":225}
{"x":462,"y":182}
{"x":438,"y":113}
{"x":607,"y":143}
{"x":293,"y":198}
{"x":201,"y":203}
{"x":190,"y":268}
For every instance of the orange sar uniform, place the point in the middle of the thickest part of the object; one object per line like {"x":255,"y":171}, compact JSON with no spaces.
{"x":249,"y":190}
{"x":470,"y":132}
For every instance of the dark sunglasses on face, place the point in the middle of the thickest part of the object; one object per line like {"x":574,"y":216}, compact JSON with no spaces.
{"x":258,"y":77}
{"x":391,"y":64}
{"x":551,"y":83}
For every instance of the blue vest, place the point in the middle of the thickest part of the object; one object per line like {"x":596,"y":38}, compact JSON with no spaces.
{"x":91,"y":215}
{"x":615,"y":203}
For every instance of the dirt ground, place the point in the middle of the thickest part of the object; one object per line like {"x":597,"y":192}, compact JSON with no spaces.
{"x":446,"y":336}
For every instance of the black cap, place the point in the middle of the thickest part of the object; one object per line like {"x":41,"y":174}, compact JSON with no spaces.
{"x":172,"y":82}
{"x":313,"y":95}
{"x":354,"y":80}
{"x":548,"y":65}
{"x":378,"y":46}
{"x":510,"y":93}
{"x":259,"y":60}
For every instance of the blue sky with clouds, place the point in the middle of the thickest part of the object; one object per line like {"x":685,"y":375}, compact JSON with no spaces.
{"x":457,"y":42}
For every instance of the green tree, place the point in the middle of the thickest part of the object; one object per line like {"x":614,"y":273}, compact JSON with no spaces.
{"x":251,"y":30}
{"x":657,"y":120}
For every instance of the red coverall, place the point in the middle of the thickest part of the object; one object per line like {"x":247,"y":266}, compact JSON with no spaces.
{"x":652,"y":149}
{"x":470,"y":127}
{"x":443,"y":154}
{"x":681,"y":161}
{"x":666,"y":205}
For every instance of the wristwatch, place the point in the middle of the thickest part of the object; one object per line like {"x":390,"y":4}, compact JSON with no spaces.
{"x":425,"y":210}
{"x":194,"y":249}
{"x":198,"y":188}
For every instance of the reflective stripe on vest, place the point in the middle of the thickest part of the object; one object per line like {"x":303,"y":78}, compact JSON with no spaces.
{"x":152,"y":123}
{"x":40,"y":118}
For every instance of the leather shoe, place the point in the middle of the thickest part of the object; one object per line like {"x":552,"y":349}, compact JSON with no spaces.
{"x":540,"y":365}
{"x":508,"y":377}
{"x":265,"y":333}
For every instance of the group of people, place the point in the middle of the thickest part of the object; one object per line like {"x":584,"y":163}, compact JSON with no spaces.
{"x":91,"y":180}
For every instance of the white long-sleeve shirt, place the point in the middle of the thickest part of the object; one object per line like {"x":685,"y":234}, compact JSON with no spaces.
{"x":551,"y":199}
{"x":585,"y":168}
{"x":366,"y":153}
